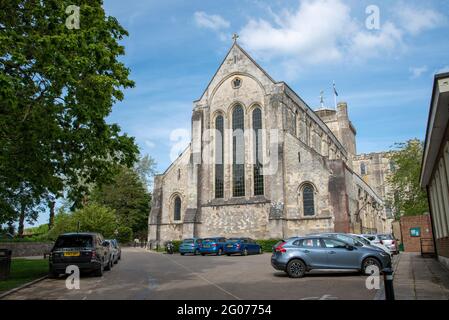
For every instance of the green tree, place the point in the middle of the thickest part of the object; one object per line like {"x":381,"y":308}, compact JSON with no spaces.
{"x":409,"y":198}
{"x":57,"y":86}
{"x":128,"y":197}
{"x":92,"y":218}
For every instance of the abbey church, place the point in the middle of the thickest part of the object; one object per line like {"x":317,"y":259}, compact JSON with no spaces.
{"x":263,"y":164}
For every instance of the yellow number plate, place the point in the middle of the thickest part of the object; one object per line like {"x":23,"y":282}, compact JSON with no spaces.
{"x":71,"y":254}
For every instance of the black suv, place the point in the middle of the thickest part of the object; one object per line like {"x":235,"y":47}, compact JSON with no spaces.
{"x":87,"y":251}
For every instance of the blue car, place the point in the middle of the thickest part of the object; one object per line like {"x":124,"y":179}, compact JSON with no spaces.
{"x":213,"y":246}
{"x":243,"y":246}
{"x":191,"y":245}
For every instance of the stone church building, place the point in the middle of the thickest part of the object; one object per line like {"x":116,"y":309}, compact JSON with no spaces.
{"x":263,"y":164}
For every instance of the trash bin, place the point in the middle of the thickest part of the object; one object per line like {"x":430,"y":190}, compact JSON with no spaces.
{"x":5,"y":263}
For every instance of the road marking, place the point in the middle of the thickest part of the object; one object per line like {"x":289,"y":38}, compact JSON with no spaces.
{"x":203,"y":278}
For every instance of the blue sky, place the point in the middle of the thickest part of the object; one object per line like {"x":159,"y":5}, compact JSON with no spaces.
{"x":385,"y":75}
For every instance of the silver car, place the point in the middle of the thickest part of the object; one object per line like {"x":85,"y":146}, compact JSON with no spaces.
{"x":385,"y":239}
{"x":298,"y":255}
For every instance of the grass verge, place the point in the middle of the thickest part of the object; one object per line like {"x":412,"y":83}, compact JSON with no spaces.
{"x":23,"y":271}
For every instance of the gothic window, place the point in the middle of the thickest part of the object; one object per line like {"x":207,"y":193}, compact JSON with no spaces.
{"x":308,"y":200}
{"x":257,"y":127}
{"x":238,"y":153}
{"x":219,"y":168}
{"x":177,"y":209}
{"x":362,"y":169}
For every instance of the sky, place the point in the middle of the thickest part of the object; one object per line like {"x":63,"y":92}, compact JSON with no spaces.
{"x":383,"y":68}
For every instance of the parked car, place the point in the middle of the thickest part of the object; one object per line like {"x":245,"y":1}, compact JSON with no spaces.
{"x":389,"y":241}
{"x":191,"y":245}
{"x":300,"y":255}
{"x":243,"y":246}
{"x":88,"y":251}
{"x":116,"y":250}
{"x":372,"y":243}
{"x":212,"y":246}
{"x":384,"y":239}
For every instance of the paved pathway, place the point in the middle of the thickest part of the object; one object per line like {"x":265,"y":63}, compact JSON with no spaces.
{"x":148,"y":275}
{"x":418,"y":278}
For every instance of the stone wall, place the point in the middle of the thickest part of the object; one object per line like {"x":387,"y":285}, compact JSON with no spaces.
{"x":27,"y":249}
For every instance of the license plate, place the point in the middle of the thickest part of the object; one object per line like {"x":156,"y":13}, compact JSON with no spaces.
{"x":229,"y":246}
{"x":72,"y":254}
{"x":206,"y":246}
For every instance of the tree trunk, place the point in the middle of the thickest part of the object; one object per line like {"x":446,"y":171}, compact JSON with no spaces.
{"x":21,"y":221}
{"x":51,"y":220}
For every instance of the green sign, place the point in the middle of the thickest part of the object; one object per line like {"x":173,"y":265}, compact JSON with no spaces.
{"x":415,"y":232}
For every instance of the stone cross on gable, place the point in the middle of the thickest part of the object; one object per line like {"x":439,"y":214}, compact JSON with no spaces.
{"x":235,"y":36}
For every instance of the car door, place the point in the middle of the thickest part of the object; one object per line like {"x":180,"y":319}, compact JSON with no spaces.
{"x":313,"y":252}
{"x":341,"y":255}
{"x":254,"y":246}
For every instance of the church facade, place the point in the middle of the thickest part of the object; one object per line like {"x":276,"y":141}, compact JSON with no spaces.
{"x":263,"y":164}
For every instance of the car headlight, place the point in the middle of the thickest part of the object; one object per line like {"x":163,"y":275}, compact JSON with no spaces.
{"x":384,"y":254}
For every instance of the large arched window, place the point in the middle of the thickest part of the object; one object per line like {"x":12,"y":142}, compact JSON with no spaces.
{"x":238,"y":152}
{"x":308,"y":200}
{"x":177,"y":209}
{"x":219,"y":168}
{"x":257,"y":149}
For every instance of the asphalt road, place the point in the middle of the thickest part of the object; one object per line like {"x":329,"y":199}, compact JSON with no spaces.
{"x":147,"y":275}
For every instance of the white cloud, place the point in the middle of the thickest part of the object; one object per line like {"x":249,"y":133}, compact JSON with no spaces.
{"x":318,"y":31}
{"x":150,"y":144}
{"x":210,"y":21}
{"x":416,"y":72}
{"x":416,"y":20}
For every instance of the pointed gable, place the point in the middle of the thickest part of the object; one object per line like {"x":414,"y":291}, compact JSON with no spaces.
{"x":237,"y":61}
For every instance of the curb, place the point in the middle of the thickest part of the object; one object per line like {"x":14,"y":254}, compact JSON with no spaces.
{"x":7,"y":293}
{"x":380,"y":295}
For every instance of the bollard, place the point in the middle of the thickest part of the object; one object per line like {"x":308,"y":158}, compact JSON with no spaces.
{"x":388,"y":283}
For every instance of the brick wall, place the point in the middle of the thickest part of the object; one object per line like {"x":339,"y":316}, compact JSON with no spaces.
{"x":413,"y":244}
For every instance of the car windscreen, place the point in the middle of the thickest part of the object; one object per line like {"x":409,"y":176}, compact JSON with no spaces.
{"x":74,"y":241}
{"x":363,"y":240}
{"x":385,"y":237}
{"x":210,"y":240}
{"x":188,"y":241}
{"x":234,"y":240}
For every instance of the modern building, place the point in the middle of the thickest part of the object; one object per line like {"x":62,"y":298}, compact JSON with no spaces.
{"x":435,"y":165}
{"x":263,"y":164}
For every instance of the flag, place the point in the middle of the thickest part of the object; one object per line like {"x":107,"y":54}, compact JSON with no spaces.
{"x":335,"y":90}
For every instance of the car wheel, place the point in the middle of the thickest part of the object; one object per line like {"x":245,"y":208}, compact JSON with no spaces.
{"x":182,"y":253}
{"x":119,"y":257}
{"x":196,"y":252}
{"x":245,"y":252}
{"x":368,"y":262}
{"x":99,"y":272}
{"x":228,"y":254}
{"x":296,"y":268}
{"x":220,"y":251}
{"x":203,"y":254}
{"x":109,"y":265}
{"x":116,"y":261}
